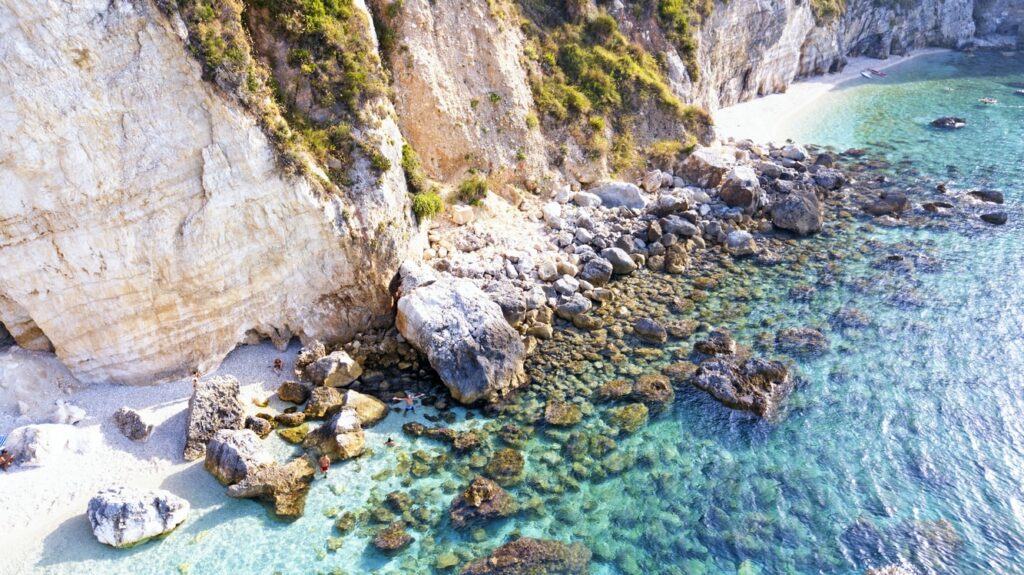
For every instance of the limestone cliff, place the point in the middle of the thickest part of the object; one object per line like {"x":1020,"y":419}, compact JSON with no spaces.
{"x":147,"y":225}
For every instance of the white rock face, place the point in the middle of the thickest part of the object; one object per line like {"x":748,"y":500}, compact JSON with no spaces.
{"x":461,"y":90}
{"x":123,"y":516}
{"x":147,"y":228}
{"x":39,"y":445}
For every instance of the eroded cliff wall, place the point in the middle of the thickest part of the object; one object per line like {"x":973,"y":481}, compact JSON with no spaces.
{"x":147,"y":227}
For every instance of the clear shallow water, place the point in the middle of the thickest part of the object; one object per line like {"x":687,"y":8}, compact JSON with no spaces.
{"x":905,"y":442}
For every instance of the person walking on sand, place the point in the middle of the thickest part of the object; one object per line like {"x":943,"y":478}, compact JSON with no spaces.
{"x":325,"y":464}
{"x":410,"y":402}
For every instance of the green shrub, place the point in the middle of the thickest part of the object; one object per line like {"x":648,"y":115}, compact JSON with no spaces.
{"x":825,"y":11}
{"x":472,"y":190}
{"x":414,"y":177}
{"x":531,"y":120}
{"x":427,"y":204}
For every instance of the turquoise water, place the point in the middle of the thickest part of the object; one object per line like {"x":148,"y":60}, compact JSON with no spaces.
{"x":903,"y":443}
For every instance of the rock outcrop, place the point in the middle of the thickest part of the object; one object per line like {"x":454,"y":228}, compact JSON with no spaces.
{"x":234,"y":454}
{"x":483,"y":500}
{"x":284,"y":487}
{"x":213,"y":406}
{"x":148,"y":228}
{"x":756,"y":385}
{"x":463,"y":334}
{"x":123,"y":517}
{"x":132,"y":424}
{"x":341,"y":437}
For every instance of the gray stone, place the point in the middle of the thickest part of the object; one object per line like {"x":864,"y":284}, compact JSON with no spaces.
{"x":798,"y":212}
{"x":567,"y":285}
{"x":679,"y":226}
{"x":586,"y":200}
{"x":620,"y":194}
{"x":741,"y":188}
{"x":337,"y":369}
{"x":573,"y":306}
{"x":650,"y":331}
{"x":213,"y":406}
{"x":622,"y":264}
{"x":794,"y":152}
{"x":705,"y":168}
{"x":233,"y":454}
{"x":463,"y":333}
{"x":740,"y":243}
{"x":994,"y":218}
{"x":340,"y":437}
{"x":124,"y":516}
{"x":757,"y":385}
{"x":597,"y":271}
{"x":132,"y":425}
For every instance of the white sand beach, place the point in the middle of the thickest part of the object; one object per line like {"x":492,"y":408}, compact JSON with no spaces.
{"x":36,"y":501}
{"x":764,"y":119}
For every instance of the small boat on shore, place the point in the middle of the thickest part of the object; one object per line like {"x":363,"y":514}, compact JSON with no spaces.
{"x":877,"y":73}
{"x":1019,"y":92}
{"x":867,"y":75}
{"x":989,"y":101}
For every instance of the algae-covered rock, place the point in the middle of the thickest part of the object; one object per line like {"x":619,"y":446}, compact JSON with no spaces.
{"x":613,"y":390}
{"x":653,"y":390}
{"x":483,"y":500}
{"x":628,"y":418}
{"x":756,"y":385}
{"x":801,"y":340}
{"x":718,"y":342}
{"x":392,"y":538}
{"x":506,"y":466}
{"x":527,"y":556}
{"x":294,"y":434}
{"x":283,"y":486}
{"x":562,"y":413}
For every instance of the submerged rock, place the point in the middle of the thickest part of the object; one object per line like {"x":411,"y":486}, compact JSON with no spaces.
{"x":527,"y":556}
{"x":124,"y":516}
{"x":798,"y":212}
{"x":756,"y":385}
{"x":461,"y":441}
{"x":483,"y":500}
{"x":283,"y":486}
{"x":888,"y":204}
{"x":628,"y":418}
{"x":990,"y":196}
{"x":994,"y":218}
{"x":718,"y":342}
{"x":653,"y":390}
{"x":650,"y":331}
{"x":213,"y":406}
{"x":803,"y":340}
{"x":464,"y":335}
{"x":392,"y":538}
{"x":506,"y":467}
{"x":614,"y":390}
{"x":132,"y":425}
{"x":562,"y":413}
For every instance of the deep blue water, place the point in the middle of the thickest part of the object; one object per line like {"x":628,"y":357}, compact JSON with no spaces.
{"x":903,"y":444}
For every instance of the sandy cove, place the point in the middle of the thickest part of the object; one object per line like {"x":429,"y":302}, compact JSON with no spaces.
{"x":40,"y":502}
{"x":764,"y":119}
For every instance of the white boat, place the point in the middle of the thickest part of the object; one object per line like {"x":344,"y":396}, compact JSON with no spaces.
{"x":1019,"y":92}
{"x":867,"y":74}
{"x":989,"y":101}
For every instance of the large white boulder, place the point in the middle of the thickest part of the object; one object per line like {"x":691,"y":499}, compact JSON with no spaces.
{"x":462,"y":332}
{"x":124,"y":516}
{"x":42,"y":444}
{"x":619,"y":194}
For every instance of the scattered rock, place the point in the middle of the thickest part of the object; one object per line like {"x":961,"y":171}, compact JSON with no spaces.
{"x":283,"y":486}
{"x":323,"y":401}
{"x":392,"y":538}
{"x":483,"y":500}
{"x":994,"y":218}
{"x":573,"y":306}
{"x":335,"y":370}
{"x":369,"y":409}
{"x":619,"y":194}
{"x":798,"y":212}
{"x":718,"y":342}
{"x":526,"y":556}
{"x":462,"y":215}
{"x":506,"y":466}
{"x":123,"y":516}
{"x":562,"y":413}
{"x":341,"y":437}
{"x":740,"y":243}
{"x":990,"y":196}
{"x":756,"y":385}
{"x":889,"y":204}
{"x":705,"y":168}
{"x":259,"y":425}
{"x":38,"y":445}
{"x":794,"y":152}
{"x":653,"y":390}
{"x":462,"y":332}
{"x":801,"y":340}
{"x":628,"y":418}
{"x":597,"y":271}
{"x":586,"y":200}
{"x":622,"y":264}
{"x":132,"y":425}
{"x":214,"y":406}
{"x":741,"y":188}
{"x":614,"y":390}
{"x":849,"y":318}
{"x":949,"y":123}
{"x":293,"y":392}
{"x":650,"y":331}
{"x":296,"y":434}
{"x":233,"y":454}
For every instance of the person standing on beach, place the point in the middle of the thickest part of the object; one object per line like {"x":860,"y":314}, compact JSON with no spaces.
{"x":325,"y":464}
{"x":410,"y":402}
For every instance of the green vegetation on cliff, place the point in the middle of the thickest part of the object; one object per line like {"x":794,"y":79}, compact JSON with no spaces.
{"x":589,"y":78}
{"x":826,"y":11}
{"x":308,"y":69}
